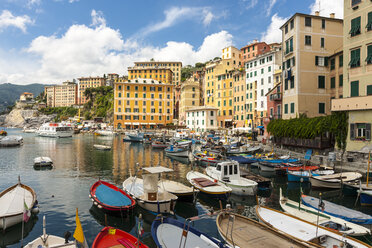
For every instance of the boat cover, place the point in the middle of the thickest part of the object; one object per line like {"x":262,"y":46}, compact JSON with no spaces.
{"x":204,"y":182}
{"x":111,"y":197}
{"x":338,"y":210}
{"x":13,"y":201}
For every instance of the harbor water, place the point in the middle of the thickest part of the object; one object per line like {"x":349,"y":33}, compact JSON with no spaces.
{"x":77,"y":165}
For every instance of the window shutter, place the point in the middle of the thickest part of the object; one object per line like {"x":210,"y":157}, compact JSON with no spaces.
{"x":368,"y":131}
{"x":325,"y":61}
{"x":316,"y":60}
{"x":352,"y":131}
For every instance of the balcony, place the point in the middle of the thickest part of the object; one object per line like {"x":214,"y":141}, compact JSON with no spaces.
{"x":352,"y":103}
{"x":276,"y":97}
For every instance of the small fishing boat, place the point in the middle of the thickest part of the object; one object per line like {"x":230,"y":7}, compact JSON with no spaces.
{"x":295,"y":176}
{"x":16,"y":204}
{"x":183,"y":192}
{"x":110,"y":198}
{"x":334,"y":181}
{"x":338,"y":210}
{"x":208,"y":158}
{"x":176,"y":151}
{"x":112,"y":237}
{"x":311,"y":215}
{"x":262,"y":182}
{"x":159,"y":144}
{"x":284,"y":167}
{"x":365,"y":197}
{"x":134,"y":137}
{"x":43,"y":162}
{"x":147,"y":192}
{"x":228,"y":173}
{"x":359,"y":188}
{"x":3,"y":132}
{"x":105,"y":132}
{"x":102,"y":147}
{"x":243,"y":159}
{"x":56,"y":130}
{"x":29,"y":130}
{"x":11,"y":141}
{"x":51,"y":241}
{"x":208,"y":185}
{"x":304,"y":230}
{"x":240,"y":231}
{"x":168,"y":232}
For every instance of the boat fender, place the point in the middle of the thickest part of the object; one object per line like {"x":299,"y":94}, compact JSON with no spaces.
{"x":35,"y":210}
{"x":142,"y":202}
{"x":92,"y":199}
{"x":99,"y":206}
{"x":90,"y":196}
{"x":95,"y":203}
{"x":215,"y":180}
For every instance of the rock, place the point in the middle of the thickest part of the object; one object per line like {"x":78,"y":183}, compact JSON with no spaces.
{"x":26,"y":118}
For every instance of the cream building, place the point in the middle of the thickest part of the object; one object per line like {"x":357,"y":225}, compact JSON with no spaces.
{"x":64,"y":95}
{"x":190,"y":97}
{"x":201,"y":119}
{"x":357,"y":70}
{"x":307,"y":42}
{"x":89,"y":82}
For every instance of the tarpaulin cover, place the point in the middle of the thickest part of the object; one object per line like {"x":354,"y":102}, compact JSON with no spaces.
{"x":111,"y":197}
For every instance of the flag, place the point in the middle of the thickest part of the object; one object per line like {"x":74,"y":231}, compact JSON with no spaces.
{"x":140,"y":229}
{"x":79,"y":234}
{"x":26,"y":212}
{"x":321,"y":204}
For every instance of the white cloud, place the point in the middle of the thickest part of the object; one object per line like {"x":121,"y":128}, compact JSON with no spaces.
{"x":327,"y":7}
{"x":270,"y":7}
{"x":249,"y":4}
{"x":97,"y":18}
{"x":273,"y":32}
{"x":7,"y":19}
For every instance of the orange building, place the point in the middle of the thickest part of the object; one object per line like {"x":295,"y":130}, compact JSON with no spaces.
{"x":252,"y":50}
{"x":89,"y":82}
{"x":164,"y":75}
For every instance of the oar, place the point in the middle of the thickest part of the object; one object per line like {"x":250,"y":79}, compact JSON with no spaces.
{"x":360,"y":189}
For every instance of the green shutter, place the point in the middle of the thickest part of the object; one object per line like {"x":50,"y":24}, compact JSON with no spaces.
{"x":369,"y":23}
{"x":292,"y":107}
{"x":285,"y":108}
{"x":316,"y":60}
{"x":341,"y":80}
{"x":369,"y":90}
{"x":321,"y":108}
{"x":354,"y":88}
{"x":291,"y":45}
{"x":369,"y":54}
{"x":341,"y":61}
{"x":333,"y":82}
{"x":321,"y":82}
{"x":352,"y":131}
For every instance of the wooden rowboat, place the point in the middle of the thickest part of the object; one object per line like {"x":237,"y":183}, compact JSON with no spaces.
{"x":102,"y":147}
{"x":116,"y":238}
{"x":334,"y":181}
{"x":183,"y":192}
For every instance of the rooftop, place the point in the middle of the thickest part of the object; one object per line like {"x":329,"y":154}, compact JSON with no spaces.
{"x":202,"y":108}
{"x":143,"y":81}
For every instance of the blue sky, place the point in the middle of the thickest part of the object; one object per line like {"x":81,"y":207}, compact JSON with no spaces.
{"x":51,"y":41}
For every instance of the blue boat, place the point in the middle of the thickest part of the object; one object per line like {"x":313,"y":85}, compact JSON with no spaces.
{"x":295,"y":176}
{"x":243,"y":159}
{"x":168,"y":232}
{"x":365,"y":197}
{"x":137,"y":137}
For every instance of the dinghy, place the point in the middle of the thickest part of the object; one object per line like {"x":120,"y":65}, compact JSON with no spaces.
{"x":302,"y":229}
{"x":168,"y":232}
{"x":110,"y":198}
{"x":159,"y":144}
{"x":147,"y":193}
{"x":43,"y":162}
{"x":334,"y":181}
{"x":176,"y":151}
{"x":16,"y":203}
{"x":228,"y":173}
{"x":365,"y":197}
{"x":239,"y":231}
{"x":338,"y":210}
{"x":311,"y":215}
{"x":102,"y":147}
{"x":208,"y":185}
{"x":11,"y":141}
{"x":183,"y":192}
{"x":295,"y":176}
{"x":112,"y":237}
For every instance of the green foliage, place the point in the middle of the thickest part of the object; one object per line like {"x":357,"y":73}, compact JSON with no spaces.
{"x":100,"y":103}
{"x":186,"y":72}
{"x":62,"y":112}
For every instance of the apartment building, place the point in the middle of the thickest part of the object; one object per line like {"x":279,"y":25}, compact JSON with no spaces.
{"x":89,"y":82}
{"x":202,"y":119}
{"x":307,"y":43}
{"x":64,"y":95}
{"x":252,"y":50}
{"x":336,"y":74}
{"x":142,"y":103}
{"x":189,"y":98}
{"x":210,"y":82}
{"x":239,"y":98}
{"x":174,"y":66}
{"x":164,"y":75}
{"x":357,"y":70}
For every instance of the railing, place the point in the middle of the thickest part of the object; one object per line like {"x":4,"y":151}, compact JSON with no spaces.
{"x":275,"y":96}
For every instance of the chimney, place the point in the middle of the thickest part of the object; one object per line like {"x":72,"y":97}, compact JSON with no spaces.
{"x":317,"y":13}
{"x":332,"y":15}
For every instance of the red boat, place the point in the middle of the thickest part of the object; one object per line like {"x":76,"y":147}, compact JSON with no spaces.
{"x":282,"y":169}
{"x":112,"y":237}
{"x":110,"y":198}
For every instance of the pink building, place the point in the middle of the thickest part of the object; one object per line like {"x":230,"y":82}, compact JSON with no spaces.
{"x":274,"y":105}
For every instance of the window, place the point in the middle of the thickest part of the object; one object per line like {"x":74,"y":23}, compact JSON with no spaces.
{"x":341,"y":80}
{"x":285,"y":108}
{"x":333,"y":61}
{"x":369,"y":54}
{"x":322,"y":42}
{"x":321,"y":108}
{"x":369,"y":90}
{"x":308,"y":21}
{"x":321,"y":82}
{"x":286,"y":29}
{"x":341,"y":61}
{"x":355,"y":27}
{"x":354,"y":58}
{"x":119,"y":87}
{"x":262,"y":71}
{"x":211,"y":122}
{"x":354,"y":88}
{"x":308,"y":40}
{"x":369,"y":23}
{"x":321,"y":61}
{"x":119,"y":95}
{"x":292,"y":107}
{"x":333,"y":82}
{"x":360,"y":131}
{"x":323,"y":23}
{"x":292,"y":24}
{"x":286,"y":84}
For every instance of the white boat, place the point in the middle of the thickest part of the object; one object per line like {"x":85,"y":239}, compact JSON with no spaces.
{"x":147,"y":193}
{"x":43,"y":162}
{"x":105,"y":132}
{"x":102,"y":147}
{"x":13,"y":202}
{"x":228,"y":173}
{"x":11,"y":141}
{"x":51,"y":241}
{"x":334,"y":181}
{"x":176,"y":151}
{"x":55,"y":130}
{"x":29,"y":130}
{"x":183,"y":192}
{"x":134,"y":137}
{"x":311,"y":215}
{"x":208,"y":185}
{"x":305,"y":230}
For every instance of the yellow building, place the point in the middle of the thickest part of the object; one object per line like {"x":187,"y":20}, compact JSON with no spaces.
{"x":64,"y":95}
{"x":357,"y":70}
{"x":210,"y":82}
{"x":307,"y":42}
{"x":89,"y":82}
{"x":142,"y":103}
{"x":175,"y":67}
{"x":336,"y":75}
{"x":190,"y":97}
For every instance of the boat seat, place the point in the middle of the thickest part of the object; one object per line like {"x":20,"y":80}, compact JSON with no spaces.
{"x":126,"y":243}
{"x":204,"y":182}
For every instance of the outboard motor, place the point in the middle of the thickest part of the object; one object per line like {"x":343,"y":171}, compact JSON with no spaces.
{"x":67,"y":236}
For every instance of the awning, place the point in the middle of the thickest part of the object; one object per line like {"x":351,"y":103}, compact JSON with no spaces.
{"x":228,"y":120}
{"x":261,"y":127}
{"x":135,"y":123}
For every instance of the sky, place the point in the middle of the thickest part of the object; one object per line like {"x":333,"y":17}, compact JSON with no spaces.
{"x":52,"y":41}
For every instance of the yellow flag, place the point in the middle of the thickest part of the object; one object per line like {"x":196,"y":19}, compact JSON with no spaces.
{"x":78,"y":234}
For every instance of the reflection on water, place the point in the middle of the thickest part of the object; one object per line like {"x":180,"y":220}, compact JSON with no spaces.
{"x":77,"y":165}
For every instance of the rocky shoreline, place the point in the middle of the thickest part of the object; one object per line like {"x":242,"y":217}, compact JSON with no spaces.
{"x":25,"y":118}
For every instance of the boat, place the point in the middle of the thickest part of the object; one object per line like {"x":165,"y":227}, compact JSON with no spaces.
{"x":240,"y":231}
{"x":262,"y":182}
{"x":168,"y":232}
{"x":183,"y":192}
{"x":365,"y":197}
{"x":105,"y":132}
{"x":11,"y":141}
{"x":55,"y":130}
{"x":51,"y":241}
{"x":338,"y":210}
{"x":334,"y":181}
{"x":147,"y":193}
{"x":134,"y":137}
{"x":29,"y":130}
{"x":304,"y":230}
{"x":113,"y":237}
{"x":3,"y":132}
{"x":267,"y":166}
{"x":110,"y":198}
{"x":243,"y":159}
{"x":208,"y":185}
{"x":159,"y":144}
{"x":102,"y":147}
{"x":208,"y":158}
{"x":296,"y":176}
{"x":358,"y":188}
{"x":15,"y":202}
{"x":228,"y":173}
{"x":176,"y":151}
{"x":43,"y":162}
{"x":284,"y":167}
{"x":309,"y":214}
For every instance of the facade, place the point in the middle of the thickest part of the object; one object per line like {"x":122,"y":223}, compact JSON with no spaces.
{"x":64,"y":95}
{"x":111,"y":78}
{"x":307,"y":42}
{"x":201,"y":119}
{"x":357,"y":71}
{"x":239,"y":98}
{"x":142,"y":103}
{"x":210,"y":79}
{"x":163,"y":75}
{"x":252,"y":50}
{"x":336,"y":75}
{"x":274,"y":104}
{"x":26,"y":96}
{"x":189,"y":98}
{"x":174,"y":66}
{"x":89,"y":82}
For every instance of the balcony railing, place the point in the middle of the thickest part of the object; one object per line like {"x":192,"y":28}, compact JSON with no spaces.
{"x":355,"y":2}
{"x":276,"y":97}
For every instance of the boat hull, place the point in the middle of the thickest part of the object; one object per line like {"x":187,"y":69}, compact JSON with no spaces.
{"x":365,"y":199}
{"x":157,"y":207}
{"x":55,"y":134}
{"x":294,"y":177}
{"x":111,"y":237}
{"x":184,"y":153}
{"x":317,"y":183}
{"x":267,"y":167}
{"x":242,"y":191}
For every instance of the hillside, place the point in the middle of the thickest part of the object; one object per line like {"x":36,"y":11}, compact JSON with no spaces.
{"x":9,"y":93}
